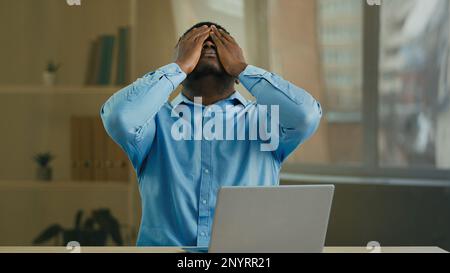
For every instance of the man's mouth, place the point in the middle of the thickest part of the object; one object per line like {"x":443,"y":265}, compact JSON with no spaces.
{"x":209,"y":53}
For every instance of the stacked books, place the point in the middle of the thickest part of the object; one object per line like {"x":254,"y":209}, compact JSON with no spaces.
{"x":108,"y":62}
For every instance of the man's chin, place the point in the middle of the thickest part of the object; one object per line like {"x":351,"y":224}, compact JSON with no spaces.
{"x":205,"y":69}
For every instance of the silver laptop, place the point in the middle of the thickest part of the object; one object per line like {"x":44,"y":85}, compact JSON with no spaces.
{"x":271,"y":219}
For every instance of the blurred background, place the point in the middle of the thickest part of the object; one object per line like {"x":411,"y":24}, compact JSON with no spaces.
{"x":381,"y":73}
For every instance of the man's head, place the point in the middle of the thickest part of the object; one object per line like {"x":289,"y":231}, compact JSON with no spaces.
{"x":209,"y":63}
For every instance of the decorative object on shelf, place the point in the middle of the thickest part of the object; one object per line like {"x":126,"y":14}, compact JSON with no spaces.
{"x":44,"y":171}
{"x":49,"y":75}
{"x":93,"y":232}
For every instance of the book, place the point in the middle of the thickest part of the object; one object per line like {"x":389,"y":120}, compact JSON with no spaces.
{"x":93,"y":63}
{"x":122,"y":73}
{"x":105,"y":59}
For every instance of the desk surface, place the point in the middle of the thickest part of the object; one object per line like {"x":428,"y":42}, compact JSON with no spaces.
{"x":129,"y":249}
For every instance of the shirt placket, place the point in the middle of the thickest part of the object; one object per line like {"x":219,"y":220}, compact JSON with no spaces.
{"x":204,"y":220}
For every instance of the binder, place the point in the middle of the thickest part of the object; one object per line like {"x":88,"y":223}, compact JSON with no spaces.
{"x":99,"y":150}
{"x":81,"y":148}
{"x":94,"y":155}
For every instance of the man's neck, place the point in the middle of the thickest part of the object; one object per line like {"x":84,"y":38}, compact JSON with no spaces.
{"x":210,"y":89}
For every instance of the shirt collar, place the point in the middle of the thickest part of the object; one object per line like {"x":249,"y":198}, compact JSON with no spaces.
{"x":236,"y":97}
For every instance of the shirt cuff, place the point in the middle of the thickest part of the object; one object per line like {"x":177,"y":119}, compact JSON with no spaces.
{"x":173,"y":73}
{"x":251,"y":76}
{"x":251,"y":70}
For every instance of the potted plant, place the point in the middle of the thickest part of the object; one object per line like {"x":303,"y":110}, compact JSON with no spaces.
{"x":44,"y":171}
{"x":94,"y":231}
{"x":49,"y":75}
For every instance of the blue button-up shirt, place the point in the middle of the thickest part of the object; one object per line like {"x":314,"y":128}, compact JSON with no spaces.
{"x":179,"y":179}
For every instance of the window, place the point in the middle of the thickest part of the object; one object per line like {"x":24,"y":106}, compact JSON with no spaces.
{"x":381,"y":74}
{"x":339,"y":26}
{"x":324,"y":56}
{"x":414,"y":110}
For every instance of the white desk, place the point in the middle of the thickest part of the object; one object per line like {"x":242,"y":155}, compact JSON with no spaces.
{"x":129,"y":249}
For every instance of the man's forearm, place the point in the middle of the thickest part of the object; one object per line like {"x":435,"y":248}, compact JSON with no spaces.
{"x":298,"y":109}
{"x":135,"y":104}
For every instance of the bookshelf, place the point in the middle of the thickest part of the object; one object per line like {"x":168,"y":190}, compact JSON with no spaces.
{"x":68,"y":185}
{"x":35,"y":118}
{"x":57,"y":90}
{"x":41,"y":121}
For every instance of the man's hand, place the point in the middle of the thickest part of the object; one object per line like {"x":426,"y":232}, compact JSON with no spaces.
{"x":230,"y":54}
{"x":189,"y":48}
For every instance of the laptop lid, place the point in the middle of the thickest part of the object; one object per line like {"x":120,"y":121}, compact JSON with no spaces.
{"x":271,"y":219}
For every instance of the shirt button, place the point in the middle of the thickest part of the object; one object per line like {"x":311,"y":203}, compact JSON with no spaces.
{"x":204,"y":201}
{"x":202,"y":234}
{"x":206,"y":171}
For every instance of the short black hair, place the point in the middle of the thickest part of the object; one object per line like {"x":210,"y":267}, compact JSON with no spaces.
{"x":205,"y":23}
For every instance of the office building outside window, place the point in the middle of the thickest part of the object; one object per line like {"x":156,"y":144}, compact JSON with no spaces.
{"x":414,"y":107}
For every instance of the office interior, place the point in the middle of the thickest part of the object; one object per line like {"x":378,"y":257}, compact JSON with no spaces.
{"x":381,"y":73}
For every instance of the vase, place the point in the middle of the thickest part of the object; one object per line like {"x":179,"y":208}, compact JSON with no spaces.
{"x":44,"y":173}
{"x":49,"y":78}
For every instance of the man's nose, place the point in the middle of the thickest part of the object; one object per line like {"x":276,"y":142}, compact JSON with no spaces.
{"x":209,"y":44}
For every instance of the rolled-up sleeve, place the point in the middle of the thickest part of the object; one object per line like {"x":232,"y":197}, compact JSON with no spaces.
{"x":299,"y":111}
{"x":128,"y":115}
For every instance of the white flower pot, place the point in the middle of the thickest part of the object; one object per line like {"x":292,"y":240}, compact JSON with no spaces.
{"x":44,"y":173}
{"x":49,"y":78}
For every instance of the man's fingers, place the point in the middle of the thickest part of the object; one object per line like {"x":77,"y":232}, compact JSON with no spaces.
{"x":194,"y":32}
{"x":227,"y":36}
{"x":201,"y":38}
{"x":201,"y":34}
{"x":189,"y":34}
{"x":216,"y":40}
{"x":218,"y":34}
{"x":222,"y":38}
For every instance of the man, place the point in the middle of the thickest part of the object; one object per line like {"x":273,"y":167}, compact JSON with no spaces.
{"x":179,"y":174}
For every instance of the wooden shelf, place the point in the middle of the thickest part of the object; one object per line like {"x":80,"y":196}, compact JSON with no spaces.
{"x":58,"y":90}
{"x":63,"y":185}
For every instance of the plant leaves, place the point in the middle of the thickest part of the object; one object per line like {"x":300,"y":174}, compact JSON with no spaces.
{"x":48,"y":234}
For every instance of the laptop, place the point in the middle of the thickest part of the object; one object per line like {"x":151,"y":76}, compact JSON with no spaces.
{"x":271,"y":219}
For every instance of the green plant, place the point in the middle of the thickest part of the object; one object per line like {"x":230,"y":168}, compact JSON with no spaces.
{"x":93,"y":232}
{"x":43,"y":159}
{"x":52,"y":67}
